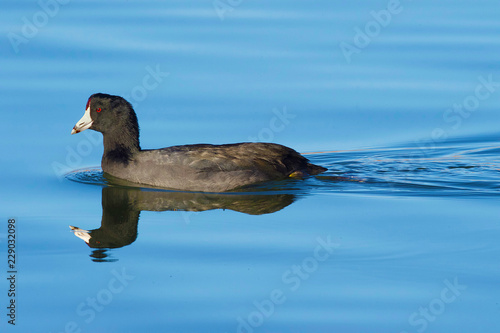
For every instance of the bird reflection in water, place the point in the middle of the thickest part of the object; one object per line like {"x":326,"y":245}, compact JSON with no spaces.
{"x":121,"y":208}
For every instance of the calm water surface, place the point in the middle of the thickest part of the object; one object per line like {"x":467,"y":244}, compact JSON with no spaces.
{"x":400,"y":235}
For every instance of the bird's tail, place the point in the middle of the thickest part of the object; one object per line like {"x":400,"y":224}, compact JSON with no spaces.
{"x":314,"y":169}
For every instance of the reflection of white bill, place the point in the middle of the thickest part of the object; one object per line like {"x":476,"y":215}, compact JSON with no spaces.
{"x":80,"y":233}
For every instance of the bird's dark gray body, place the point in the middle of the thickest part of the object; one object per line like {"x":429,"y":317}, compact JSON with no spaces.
{"x":211,"y":168}
{"x":202,"y":167}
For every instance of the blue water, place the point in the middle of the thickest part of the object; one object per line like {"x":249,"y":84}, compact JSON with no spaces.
{"x":400,"y":103}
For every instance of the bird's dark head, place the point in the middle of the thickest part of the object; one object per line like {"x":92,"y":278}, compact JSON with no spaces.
{"x":115,"y":118}
{"x":107,"y":113}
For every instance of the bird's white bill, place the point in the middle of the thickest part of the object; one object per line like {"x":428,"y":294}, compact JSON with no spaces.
{"x":83,"y":123}
{"x":82,"y":234}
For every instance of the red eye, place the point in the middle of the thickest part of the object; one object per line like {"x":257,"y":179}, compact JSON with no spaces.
{"x":98,"y":110}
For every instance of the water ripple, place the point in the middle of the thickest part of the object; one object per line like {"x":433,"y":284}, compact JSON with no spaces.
{"x":443,"y":171}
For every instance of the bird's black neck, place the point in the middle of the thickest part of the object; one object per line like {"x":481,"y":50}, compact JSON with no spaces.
{"x":120,"y":146}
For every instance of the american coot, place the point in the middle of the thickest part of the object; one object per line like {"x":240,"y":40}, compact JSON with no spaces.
{"x":200,"y":167}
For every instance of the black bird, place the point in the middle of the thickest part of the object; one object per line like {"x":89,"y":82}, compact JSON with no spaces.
{"x":200,"y":167}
